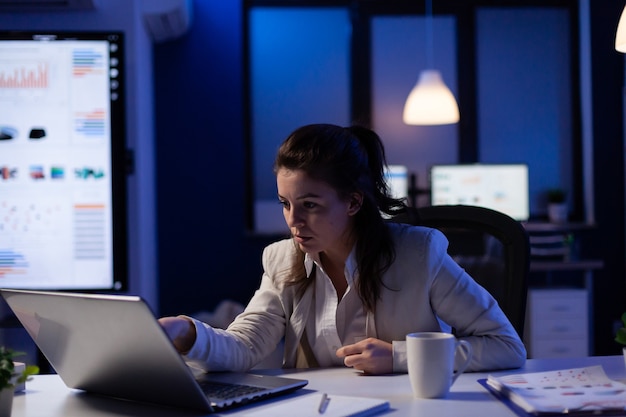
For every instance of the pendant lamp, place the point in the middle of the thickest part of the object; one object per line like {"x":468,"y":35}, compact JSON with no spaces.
{"x":430,"y":102}
{"x":620,"y":36}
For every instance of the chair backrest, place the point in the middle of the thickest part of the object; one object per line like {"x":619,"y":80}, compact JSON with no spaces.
{"x":492,"y":247}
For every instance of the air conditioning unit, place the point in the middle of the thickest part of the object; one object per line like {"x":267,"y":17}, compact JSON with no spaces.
{"x":167,"y":19}
{"x":45,"y":5}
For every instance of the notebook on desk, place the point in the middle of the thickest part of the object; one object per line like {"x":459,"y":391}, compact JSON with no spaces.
{"x":113,"y":345}
{"x":564,"y":392}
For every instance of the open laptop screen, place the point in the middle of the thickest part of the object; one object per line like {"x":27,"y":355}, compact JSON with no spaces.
{"x":502,"y":187}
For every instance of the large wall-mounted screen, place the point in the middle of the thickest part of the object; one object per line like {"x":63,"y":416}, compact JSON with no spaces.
{"x":62,"y":150}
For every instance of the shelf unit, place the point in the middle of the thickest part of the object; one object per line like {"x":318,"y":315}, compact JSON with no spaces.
{"x":557,"y":323}
{"x":559,"y":317}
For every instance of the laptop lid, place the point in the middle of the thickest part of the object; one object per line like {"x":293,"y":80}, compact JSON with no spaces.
{"x":113,"y":345}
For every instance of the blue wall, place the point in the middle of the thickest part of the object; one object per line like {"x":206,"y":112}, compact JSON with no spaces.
{"x":204,"y":253}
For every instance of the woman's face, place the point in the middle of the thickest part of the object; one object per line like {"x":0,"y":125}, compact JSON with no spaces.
{"x":319,"y":220}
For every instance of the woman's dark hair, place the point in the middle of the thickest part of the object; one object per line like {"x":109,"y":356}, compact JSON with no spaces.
{"x":349,"y":159}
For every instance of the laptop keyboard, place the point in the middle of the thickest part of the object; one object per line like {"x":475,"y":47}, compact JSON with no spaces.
{"x":217,"y":391}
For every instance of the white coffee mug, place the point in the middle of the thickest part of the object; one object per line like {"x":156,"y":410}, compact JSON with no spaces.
{"x":430,"y":357}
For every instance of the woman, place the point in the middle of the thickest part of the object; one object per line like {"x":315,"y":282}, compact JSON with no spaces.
{"x":348,"y":286}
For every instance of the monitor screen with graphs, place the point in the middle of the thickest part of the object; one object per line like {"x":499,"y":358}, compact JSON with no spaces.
{"x":62,"y":179}
{"x":397,"y":178}
{"x":502,"y":187}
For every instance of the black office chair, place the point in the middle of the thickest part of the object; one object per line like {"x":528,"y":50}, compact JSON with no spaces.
{"x":491,"y":246}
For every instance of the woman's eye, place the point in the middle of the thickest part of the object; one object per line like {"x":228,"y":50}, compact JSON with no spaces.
{"x":284,"y":203}
{"x":309,"y":204}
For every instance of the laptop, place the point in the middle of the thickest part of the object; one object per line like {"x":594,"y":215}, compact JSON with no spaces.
{"x":112,"y":345}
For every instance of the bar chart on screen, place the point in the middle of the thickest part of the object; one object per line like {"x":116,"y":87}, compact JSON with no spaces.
{"x":24,"y":75}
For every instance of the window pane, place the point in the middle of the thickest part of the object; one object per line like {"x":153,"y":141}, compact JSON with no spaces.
{"x":299,"y":60}
{"x":399,"y":53}
{"x":525,"y":94}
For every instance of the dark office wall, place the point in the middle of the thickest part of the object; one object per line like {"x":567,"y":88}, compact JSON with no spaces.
{"x":607,"y":240}
{"x":204,"y":255}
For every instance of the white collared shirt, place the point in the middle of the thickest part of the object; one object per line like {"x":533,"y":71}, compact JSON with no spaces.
{"x":335,"y":323}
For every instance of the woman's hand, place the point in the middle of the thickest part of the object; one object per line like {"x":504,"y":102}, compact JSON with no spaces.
{"x":181,"y":330}
{"x":372,"y":356}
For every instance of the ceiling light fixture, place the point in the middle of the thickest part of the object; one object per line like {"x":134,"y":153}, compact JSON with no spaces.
{"x":430,"y":102}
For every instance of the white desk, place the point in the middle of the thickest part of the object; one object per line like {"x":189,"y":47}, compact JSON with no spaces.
{"x":47,"y":396}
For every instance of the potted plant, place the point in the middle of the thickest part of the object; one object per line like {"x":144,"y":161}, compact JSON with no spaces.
{"x":557,"y":205}
{"x":9,"y":377}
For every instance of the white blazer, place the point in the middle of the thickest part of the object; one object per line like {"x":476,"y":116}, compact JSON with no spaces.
{"x":423,"y":288}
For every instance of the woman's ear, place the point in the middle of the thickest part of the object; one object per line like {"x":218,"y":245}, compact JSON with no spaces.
{"x":356,"y":201}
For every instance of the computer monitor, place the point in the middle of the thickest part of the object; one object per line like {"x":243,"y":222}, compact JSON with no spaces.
{"x":502,"y":187}
{"x":397,"y":178}
{"x":62,"y":161}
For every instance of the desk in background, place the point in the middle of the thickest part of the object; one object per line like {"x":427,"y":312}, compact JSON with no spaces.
{"x":47,"y":396}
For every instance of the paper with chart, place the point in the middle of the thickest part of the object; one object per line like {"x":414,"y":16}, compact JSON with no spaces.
{"x":562,"y":391}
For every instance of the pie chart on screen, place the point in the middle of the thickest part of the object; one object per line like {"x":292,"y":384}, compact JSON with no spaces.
{"x":7,"y":132}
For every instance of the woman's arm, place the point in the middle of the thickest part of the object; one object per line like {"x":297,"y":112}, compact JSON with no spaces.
{"x":438,"y":295}
{"x":476,"y":317}
{"x":250,"y":338}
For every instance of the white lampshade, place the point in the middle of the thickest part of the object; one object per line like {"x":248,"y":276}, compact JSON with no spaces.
{"x":620,"y":36}
{"x":430,"y":102}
